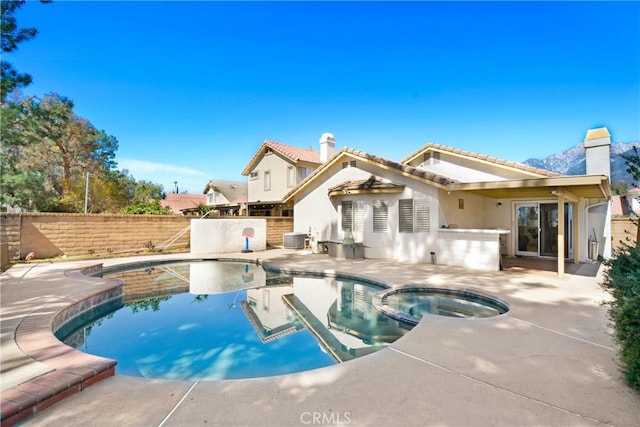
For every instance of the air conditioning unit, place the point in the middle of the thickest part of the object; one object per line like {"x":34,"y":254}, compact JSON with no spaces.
{"x":294,"y":240}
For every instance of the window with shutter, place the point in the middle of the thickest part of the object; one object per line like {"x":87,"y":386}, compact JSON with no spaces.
{"x":291,"y":176}
{"x":358,"y":217}
{"x":347,"y":215}
{"x":267,"y":180}
{"x":405,"y":216}
{"x":380,"y":216}
{"x":422,"y":215}
{"x":414,"y":216}
{"x":353,"y":213}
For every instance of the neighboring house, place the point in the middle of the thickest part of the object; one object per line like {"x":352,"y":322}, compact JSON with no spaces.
{"x":619,"y":206}
{"x":633,"y":200}
{"x":227,"y":197}
{"x":453,"y":207}
{"x":181,"y":204}
{"x":277,"y":168}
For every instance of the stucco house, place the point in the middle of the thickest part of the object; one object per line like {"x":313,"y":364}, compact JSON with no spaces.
{"x":229,"y":198}
{"x":448,"y":206}
{"x":277,"y":168}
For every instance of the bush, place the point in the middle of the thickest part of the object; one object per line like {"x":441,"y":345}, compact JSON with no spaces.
{"x":622,"y":280}
{"x":146,"y":208}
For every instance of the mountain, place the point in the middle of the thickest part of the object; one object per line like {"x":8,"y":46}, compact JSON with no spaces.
{"x":572,"y":162}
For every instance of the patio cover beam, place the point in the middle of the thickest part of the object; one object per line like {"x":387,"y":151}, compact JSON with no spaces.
{"x":583,"y":186}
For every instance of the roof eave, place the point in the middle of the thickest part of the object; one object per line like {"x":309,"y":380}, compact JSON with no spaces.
{"x":358,"y":191}
{"x":597,"y":186}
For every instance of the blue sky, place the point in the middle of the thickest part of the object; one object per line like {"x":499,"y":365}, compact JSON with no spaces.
{"x":191,"y":89}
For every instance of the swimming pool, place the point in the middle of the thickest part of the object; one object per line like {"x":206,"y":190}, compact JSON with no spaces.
{"x":211,"y":320}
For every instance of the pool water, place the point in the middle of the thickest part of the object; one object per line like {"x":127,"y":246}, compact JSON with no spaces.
{"x":211,"y":320}
{"x":411,"y":303}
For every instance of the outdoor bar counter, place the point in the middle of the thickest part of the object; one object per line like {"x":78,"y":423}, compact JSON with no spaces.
{"x":477,"y":248}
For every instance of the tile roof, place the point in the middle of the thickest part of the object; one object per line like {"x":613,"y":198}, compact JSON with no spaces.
{"x":402,"y":168}
{"x":177,"y":202}
{"x":634,"y":191}
{"x":482,"y":157}
{"x":295,"y":154}
{"x":373,"y":183}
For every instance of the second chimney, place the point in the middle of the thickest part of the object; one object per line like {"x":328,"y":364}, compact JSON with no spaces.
{"x":597,"y":147}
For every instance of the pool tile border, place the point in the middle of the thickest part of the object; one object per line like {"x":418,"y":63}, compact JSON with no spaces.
{"x":71,"y":370}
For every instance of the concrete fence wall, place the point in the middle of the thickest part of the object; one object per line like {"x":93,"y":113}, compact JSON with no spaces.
{"x":49,"y":235}
{"x":622,"y":230}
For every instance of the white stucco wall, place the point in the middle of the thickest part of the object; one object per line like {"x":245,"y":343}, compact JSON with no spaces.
{"x":213,"y":236}
{"x":598,"y":157}
{"x":316,"y":211}
{"x":277,"y":167}
{"x":476,"y":249}
{"x":598,"y":224}
{"x":470,"y":215}
{"x":211,"y":200}
{"x":467,"y":170}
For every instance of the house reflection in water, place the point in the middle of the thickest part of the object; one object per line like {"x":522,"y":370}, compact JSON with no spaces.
{"x":339,"y":314}
{"x":268,"y":315}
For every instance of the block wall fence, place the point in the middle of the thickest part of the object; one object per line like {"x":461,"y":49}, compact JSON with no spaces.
{"x":50,"y":235}
{"x":623,"y":230}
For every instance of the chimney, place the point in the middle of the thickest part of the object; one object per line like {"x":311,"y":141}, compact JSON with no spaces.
{"x":597,"y":148}
{"x":327,"y":146}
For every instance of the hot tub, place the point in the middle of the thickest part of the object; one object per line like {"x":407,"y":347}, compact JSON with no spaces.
{"x":411,"y":303}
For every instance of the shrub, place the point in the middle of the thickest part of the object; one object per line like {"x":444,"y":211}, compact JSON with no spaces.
{"x":146,"y":208}
{"x":622,"y":280}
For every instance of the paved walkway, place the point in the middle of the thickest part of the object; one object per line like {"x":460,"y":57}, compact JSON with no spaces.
{"x":550,"y":361}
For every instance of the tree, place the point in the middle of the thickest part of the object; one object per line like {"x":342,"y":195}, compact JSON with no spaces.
{"x":47,"y":148}
{"x":145,"y":191}
{"x":619,"y":188}
{"x":11,"y":79}
{"x":621,"y":279}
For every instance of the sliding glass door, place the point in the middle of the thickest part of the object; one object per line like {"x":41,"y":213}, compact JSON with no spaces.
{"x":537,"y":229}
{"x":528,"y":233}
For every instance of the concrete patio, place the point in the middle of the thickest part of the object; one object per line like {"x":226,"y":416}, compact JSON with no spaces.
{"x":549,"y":361}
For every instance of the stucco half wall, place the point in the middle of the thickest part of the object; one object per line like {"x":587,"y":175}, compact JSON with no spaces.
{"x":477,"y":249}
{"x":212,"y":236}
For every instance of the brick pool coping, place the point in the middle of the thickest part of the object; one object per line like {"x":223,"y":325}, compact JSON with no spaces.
{"x":71,"y":370}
